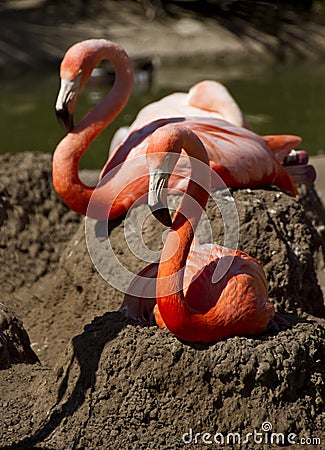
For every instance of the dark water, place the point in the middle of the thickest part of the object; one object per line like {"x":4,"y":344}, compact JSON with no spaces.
{"x":276,"y":99}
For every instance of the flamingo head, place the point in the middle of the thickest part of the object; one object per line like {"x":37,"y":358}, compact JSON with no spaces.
{"x":162,"y":156}
{"x":76,"y":68}
{"x":157,"y":195}
{"x":65,"y":103}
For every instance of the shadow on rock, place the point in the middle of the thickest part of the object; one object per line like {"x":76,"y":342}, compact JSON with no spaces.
{"x":79,"y":377}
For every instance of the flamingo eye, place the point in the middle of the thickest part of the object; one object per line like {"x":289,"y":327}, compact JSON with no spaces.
{"x":76,"y":80}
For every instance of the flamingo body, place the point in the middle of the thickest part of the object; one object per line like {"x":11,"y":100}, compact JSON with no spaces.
{"x":238,"y":304}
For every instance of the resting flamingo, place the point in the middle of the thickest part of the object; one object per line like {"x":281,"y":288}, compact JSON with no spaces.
{"x":242,"y":158}
{"x":189,"y":303}
{"x":212,"y":98}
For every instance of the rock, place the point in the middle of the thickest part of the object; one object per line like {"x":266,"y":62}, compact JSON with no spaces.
{"x":14,"y":341}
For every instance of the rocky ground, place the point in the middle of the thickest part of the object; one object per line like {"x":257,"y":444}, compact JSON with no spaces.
{"x":105,"y":383}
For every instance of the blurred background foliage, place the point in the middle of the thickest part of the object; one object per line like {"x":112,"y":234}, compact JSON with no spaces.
{"x":266,"y":15}
{"x":247,"y":9}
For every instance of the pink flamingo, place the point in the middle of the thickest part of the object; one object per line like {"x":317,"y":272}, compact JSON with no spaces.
{"x":189,"y":303}
{"x":211,"y":98}
{"x":242,"y":158}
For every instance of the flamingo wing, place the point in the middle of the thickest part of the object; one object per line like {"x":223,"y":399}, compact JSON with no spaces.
{"x":228,"y":287}
{"x":241,"y":157}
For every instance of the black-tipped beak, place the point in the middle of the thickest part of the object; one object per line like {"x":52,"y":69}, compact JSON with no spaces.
{"x":162,"y":214}
{"x":65,"y":103}
{"x":65,"y":119}
{"x":157,"y":196}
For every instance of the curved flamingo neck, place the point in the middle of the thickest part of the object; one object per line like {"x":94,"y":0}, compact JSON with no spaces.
{"x":178,"y":242}
{"x":115,"y":101}
{"x":69,"y":151}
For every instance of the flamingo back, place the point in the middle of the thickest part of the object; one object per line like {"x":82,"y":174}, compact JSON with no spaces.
{"x":226,"y":284}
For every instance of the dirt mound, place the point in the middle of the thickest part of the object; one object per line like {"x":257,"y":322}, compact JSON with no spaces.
{"x":142,"y":388}
{"x":34,"y":222}
{"x":118,"y":385}
{"x":112,"y":384}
